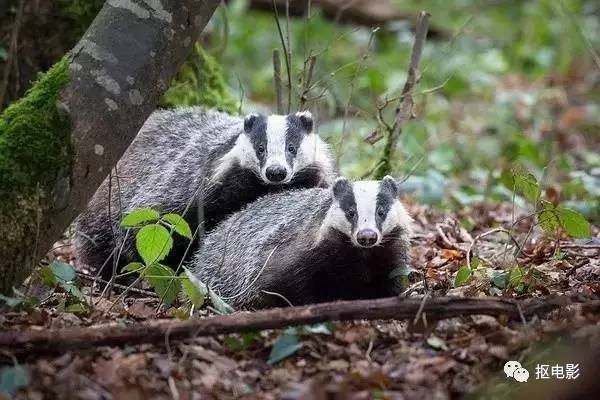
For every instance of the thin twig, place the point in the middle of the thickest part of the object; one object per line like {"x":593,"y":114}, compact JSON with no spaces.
{"x":242,"y":94}
{"x":487,"y":233}
{"x":588,"y":44}
{"x":357,"y":72}
{"x":255,"y":278}
{"x":289,"y":53}
{"x":309,"y":65}
{"x":289,"y":303}
{"x":277,"y":81}
{"x":286,"y":53}
{"x":12,"y":51}
{"x":411,"y":171}
{"x":421,"y":307}
{"x":580,"y":246}
{"x":94,"y":279}
{"x":404,"y":110}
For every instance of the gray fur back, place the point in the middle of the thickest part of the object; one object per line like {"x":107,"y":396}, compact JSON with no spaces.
{"x":234,"y":253}
{"x":163,"y":169}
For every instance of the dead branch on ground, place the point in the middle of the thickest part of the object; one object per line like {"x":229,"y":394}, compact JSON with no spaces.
{"x":34,"y":342}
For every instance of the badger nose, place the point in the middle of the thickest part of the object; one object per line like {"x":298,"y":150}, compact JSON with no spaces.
{"x":275,"y":173}
{"x":366,"y":237}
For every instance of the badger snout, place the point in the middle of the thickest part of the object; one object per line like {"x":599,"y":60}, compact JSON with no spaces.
{"x":367,"y":237}
{"x":276,"y":173}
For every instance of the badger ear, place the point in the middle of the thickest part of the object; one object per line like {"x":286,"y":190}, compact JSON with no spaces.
{"x":390,"y":184}
{"x":249,"y":121}
{"x":341,"y":186}
{"x":306,"y":120}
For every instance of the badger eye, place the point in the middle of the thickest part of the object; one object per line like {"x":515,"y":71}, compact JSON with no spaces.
{"x":292,"y":149}
{"x":350,"y":213}
{"x":261,"y":149}
{"x":380,"y":212}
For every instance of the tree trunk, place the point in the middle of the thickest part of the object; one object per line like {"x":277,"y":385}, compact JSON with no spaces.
{"x":59,"y":142}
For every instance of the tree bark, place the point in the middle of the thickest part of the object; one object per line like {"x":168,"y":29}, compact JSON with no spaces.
{"x":116,"y":75}
{"x":38,"y":342}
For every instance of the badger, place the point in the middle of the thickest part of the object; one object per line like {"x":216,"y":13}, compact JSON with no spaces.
{"x":309,"y":246}
{"x":190,"y":156}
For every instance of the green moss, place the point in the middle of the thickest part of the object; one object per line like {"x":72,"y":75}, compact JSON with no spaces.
{"x":385,"y":163}
{"x":200,"y":82}
{"x":34,"y":135}
{"x":34,"y":147}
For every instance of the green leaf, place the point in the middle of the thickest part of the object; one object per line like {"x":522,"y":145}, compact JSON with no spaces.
{"x":139,"y":216}
{"x":219,"y":304}
{"x":47,"y":276}
{"x":462,"y":276}
{"x":573,"y":223}
{"x":286,"y":345}
{"x":401,"y":276}
{"x":552,"y":218}
{"x":73,"y":290}
{"x":63,"y":271}
{"x":437,"y":343}
{"x":233,"y":343}
{"x":516,"y":277}
{"x":242,"y":341}
{"x":134,"y":267}
{"x":525,"y":183}
{"x":77,"y":308}
{"x":13,"y":378}
{"x":322,"y":328}
{"x":167,"y":289}
{"x":153,"y":242}
{"x":499,"y":279}
{"x":179,"y":224}
{"x":200,"y":291}
{"x":192,"y":291}
{"x":548,"y":218}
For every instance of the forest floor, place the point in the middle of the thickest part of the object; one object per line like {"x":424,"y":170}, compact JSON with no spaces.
{"x":380,"y":359}
{"x":424,"y":359}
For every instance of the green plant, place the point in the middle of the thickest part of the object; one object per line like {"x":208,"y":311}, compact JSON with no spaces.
{"x":153,"y":242}
{"x":553,"y":218}
{"x":62,"y":275}
{"x":288,"y":342}
{"x":13,"y":378}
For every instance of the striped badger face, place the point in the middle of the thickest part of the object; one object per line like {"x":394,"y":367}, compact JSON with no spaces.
{"x":277,"y":147}
{"x":367,"y":212}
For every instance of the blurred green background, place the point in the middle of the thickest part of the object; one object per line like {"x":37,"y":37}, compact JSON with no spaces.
{"x":502,"y":82}
{"x":507,"y":81}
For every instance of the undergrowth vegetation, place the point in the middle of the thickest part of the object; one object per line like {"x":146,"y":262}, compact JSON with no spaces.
{"x":504,"y":144}
{"x":488,"y":96}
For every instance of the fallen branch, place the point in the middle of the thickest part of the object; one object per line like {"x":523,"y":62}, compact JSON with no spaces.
{"x":57,"y":341}
{"x":369,"y":13}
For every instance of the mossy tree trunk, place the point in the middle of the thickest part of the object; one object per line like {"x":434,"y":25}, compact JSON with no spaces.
{"x":59,"y":142}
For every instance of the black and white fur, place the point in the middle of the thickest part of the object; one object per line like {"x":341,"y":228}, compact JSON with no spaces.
{"x":309,"y":246}
{"x":187,"y":156}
